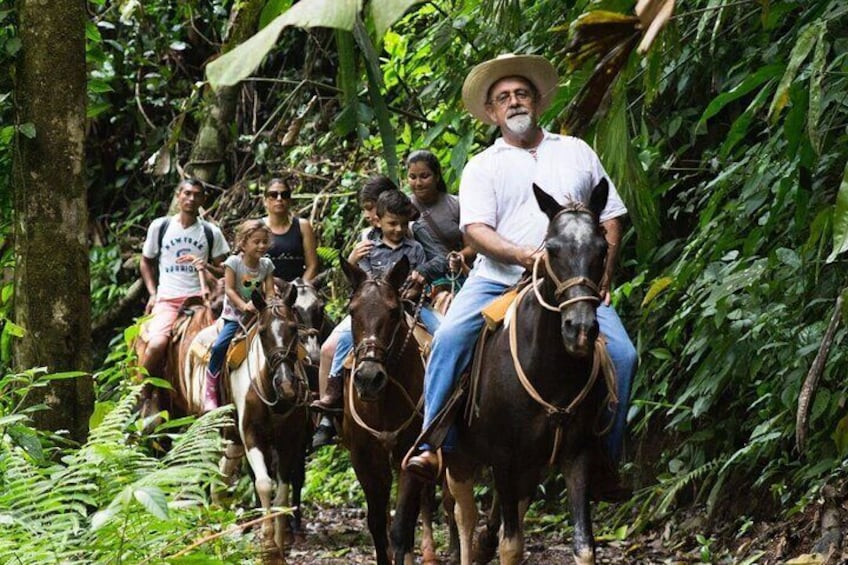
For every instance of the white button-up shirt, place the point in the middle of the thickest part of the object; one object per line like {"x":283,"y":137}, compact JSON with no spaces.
{"x":497,"y":190}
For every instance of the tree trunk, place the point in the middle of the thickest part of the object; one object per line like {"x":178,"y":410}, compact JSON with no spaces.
{"x":52,"y":295}
{"x":210,"y":147}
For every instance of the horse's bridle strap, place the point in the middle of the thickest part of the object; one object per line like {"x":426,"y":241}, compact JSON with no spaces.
{"x":561,"y":287}
{"x":552,"y":410}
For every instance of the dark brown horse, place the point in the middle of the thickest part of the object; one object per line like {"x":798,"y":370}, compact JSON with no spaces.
{"x":382,"y":413}
{"x":540,"y":393}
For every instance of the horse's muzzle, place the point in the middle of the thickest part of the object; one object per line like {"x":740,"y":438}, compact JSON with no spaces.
{"x":286,"y":383}
{"x":578,"y":337}
{"x":370,"y":379}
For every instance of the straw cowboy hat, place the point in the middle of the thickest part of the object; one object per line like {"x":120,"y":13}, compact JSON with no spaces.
{"x":534,"y":68}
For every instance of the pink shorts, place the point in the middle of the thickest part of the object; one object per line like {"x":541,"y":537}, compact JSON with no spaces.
{"x":165,"y":312}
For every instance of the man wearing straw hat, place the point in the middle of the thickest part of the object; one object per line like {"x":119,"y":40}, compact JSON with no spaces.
{"x":500,"y":217}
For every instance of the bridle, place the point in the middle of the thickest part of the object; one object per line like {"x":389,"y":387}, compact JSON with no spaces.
{"x":600,"y":360}
{"x":562,"y":287}
{"x":372,"y":349}
{"x":276,"y":356}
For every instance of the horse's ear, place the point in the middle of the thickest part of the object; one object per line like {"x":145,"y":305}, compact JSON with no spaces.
{"x":319,"y":280}
{"x":279,"y":286}
{"x":399,"y":272}
{"x":598,"y":199}
{"x":546,"y":202}
{"x":354,"y":274}
{"x":287,"y":293}
{"x":258,"y":300}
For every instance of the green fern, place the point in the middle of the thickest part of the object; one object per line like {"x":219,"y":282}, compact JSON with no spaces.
{"x":111,"y":502}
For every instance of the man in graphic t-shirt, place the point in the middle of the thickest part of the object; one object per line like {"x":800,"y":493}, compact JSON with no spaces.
{"x":177,"y":248}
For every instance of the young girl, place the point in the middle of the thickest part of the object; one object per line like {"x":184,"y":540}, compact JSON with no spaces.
{"x":242,"y":273}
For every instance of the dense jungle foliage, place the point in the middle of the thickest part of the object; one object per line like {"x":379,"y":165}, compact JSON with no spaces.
{"x":728,"y":140}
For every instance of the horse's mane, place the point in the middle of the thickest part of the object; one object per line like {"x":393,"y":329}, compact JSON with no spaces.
{"x":576,"y":206}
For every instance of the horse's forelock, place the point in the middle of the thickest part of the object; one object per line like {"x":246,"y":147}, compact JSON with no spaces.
{"x":575,"y":224}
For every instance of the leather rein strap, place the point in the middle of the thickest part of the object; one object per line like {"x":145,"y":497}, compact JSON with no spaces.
{"x":370,"y":349}
{"x":600,"y":358}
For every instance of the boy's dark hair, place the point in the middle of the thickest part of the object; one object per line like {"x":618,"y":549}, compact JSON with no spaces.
{"x":374,"y":187}
{"x":395,"y":202}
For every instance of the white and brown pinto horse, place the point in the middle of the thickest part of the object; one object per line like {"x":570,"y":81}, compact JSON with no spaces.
{"x":270,"y":394}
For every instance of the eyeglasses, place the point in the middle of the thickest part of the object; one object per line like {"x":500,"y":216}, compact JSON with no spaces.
{"x":277,"y":195}
{"x":502,"y":99}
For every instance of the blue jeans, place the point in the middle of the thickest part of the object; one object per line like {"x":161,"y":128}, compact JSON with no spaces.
{"x":429,"y":317}
{"x":219,"y":348}
{"x":453,"y":348}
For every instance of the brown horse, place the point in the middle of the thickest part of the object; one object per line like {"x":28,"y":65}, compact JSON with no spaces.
{"x":195,"y":315}
{"x":382,"y":411}
{"x":539,"y":399}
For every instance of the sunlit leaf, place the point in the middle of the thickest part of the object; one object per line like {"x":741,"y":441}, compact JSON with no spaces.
{"x":238,"y":63}
{"x":656,"y":288}
{"x":65,"y":375}
{"x":840,"y":218}
{"x":815,"y":105}
{"x":153,"y":499}
{"x":806,"y":41}
{"x":13,"y":329}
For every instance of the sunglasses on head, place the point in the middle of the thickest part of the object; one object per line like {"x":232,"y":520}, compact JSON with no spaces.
{"x":278,"y":194}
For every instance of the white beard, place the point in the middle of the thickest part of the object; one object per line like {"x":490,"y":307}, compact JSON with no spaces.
{"x":519,"y":124}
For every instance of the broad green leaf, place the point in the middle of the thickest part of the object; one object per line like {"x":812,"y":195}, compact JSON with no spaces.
{"x":386,"y":12}
{"x":153,"y":499}
{"x":13,"y":329}
{"x":348,"y":118}
{"x":378,"y":102}
{"x":94,"y":110}
{"x":806,"y":40}
{"x":750,"y":83}
{"x":161,"y":383}
{"x":815,"y":104}
{"x":271,"y":10}
{"x":237,"y":64}
{"x":27,"y":130}
{"x":101,"y":409}
{"x":840,"y":218}
{"x":131,"y":333}
{"x":103,"y":517}
{"x":65,"y":375}
{"x":99,"y":86}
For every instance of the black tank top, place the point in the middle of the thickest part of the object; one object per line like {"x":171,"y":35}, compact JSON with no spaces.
{"x":286,"y":252}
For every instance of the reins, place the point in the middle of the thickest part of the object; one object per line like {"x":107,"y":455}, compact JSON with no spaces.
{"x":274,"y":358}
{"x":388,"y":439}
{"x":600,"y":358}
